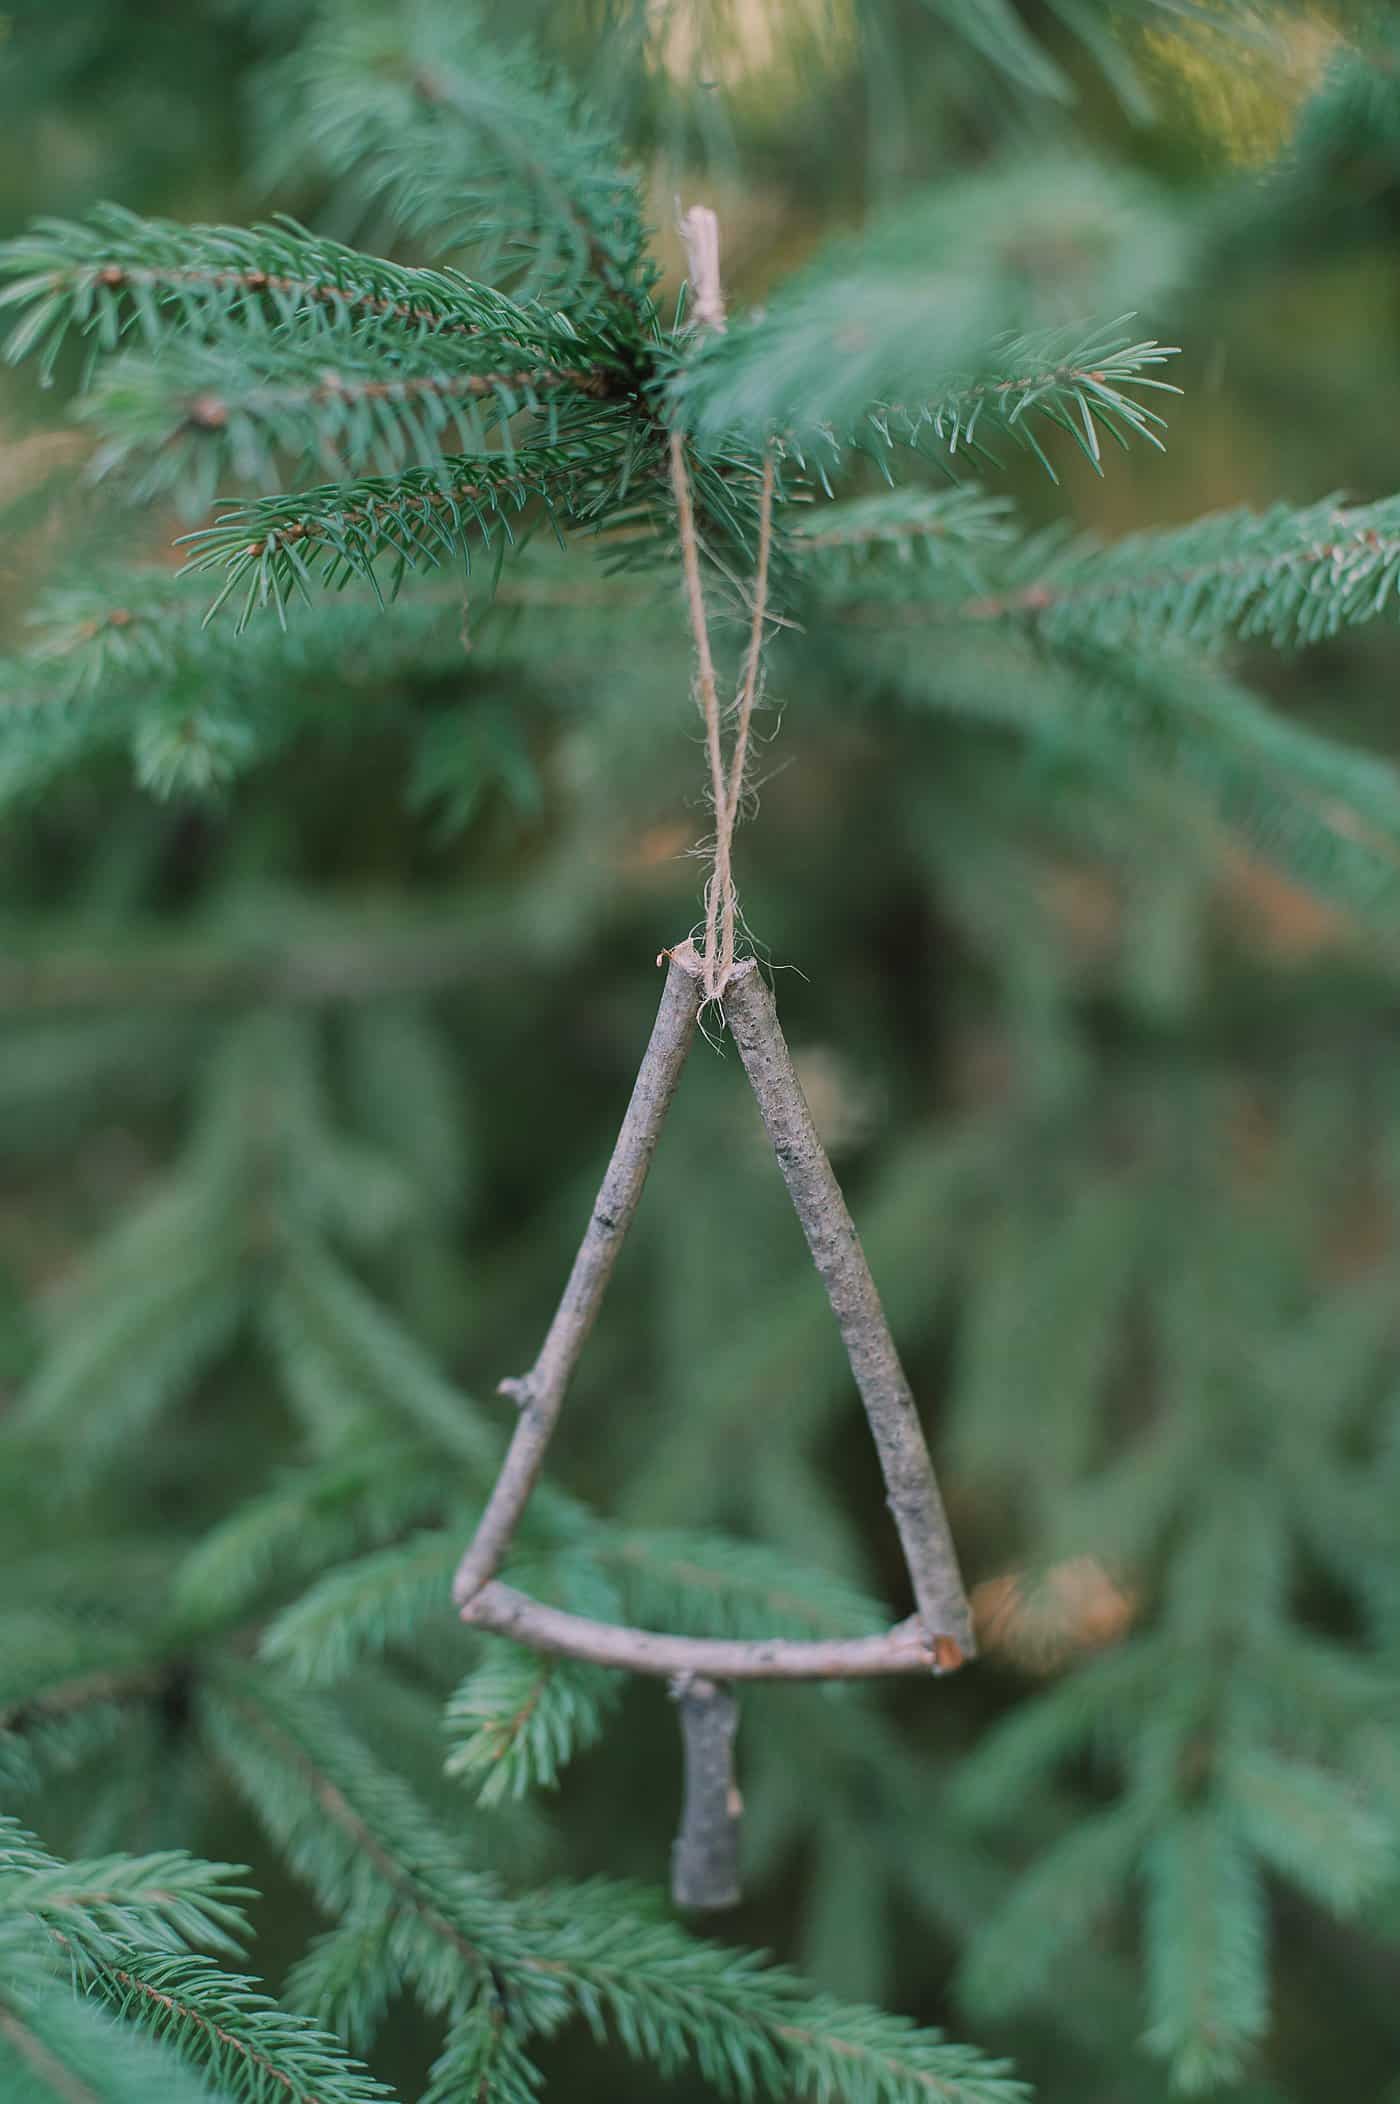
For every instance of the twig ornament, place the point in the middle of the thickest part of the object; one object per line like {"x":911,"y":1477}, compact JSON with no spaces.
{"x":938,"y":1638}
{"x":701,"y":1670}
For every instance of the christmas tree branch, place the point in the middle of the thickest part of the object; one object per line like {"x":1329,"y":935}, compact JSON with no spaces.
{"x":116,"y":276}
{"x":365,"y":957}
{"x":60,"y":2080}
{"x":275,"y":546}
{"x":540,"y":1393}
{"x":258,"y":410}
{"x":1290,"y":575}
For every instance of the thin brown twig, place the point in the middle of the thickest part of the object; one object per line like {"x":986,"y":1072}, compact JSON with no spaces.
{"x":907,"y":1648}
{"x":540,"y":1393}
{"x":912,"y":1489}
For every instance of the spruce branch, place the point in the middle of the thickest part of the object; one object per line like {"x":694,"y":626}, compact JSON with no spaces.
{"x":37,"y":1750}
{"x":709,"y":1585}
{"x":1288,"y":576}
{"x":955,"y":527}
{"x":519,"y":1718}
{"x":1325,"y":815}
{"x":63,"y":1695}
{"x":120,"y":1928}
{"x":165,"y":1901}
{"x":308,"y":959}
{"x":193,"y":416}
{"x":383,"y":1376}
{"x":116,"y":277}
{"x":391,"y":1596}
{"x":1206,"y":1940}
{"x":56,"y":2049}
{"x":223,"y":2025}
{"x":484,"y":2058}
{"x":363,"y":1495}
{"x":275,"y":549}
{"x":598,"y":1952}
{"x":876,"y":366}
{"x":465,"y":147}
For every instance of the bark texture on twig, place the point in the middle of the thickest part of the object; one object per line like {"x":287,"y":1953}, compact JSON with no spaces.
{"x":910,"y":1484}
{"x":705,"y":1855}
{"x":907,"y":1648}
{"x":540,"y":1392}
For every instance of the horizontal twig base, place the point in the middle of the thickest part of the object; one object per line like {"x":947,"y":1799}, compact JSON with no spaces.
{"x":904,"y":1649}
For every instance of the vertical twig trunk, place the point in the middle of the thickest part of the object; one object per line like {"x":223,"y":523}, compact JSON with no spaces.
{"x":705,"y":1857}
{"x":540,"y":1392}
{"x":911,"y":1487}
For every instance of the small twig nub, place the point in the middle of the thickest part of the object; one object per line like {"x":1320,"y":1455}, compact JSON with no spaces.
{"x":700,"y":233}
{"x":705,"y":1857}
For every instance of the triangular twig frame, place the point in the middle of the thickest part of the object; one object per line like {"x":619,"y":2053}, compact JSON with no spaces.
{"x":939,"y":1636}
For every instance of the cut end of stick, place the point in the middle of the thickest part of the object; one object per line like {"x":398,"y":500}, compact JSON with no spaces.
{"x":700,"y":233}
{"x":692,"y":962}
{"x":705,"y":1858}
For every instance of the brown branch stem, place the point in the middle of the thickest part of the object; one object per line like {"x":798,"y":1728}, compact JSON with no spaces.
{"x":911,"y":1487}
{"x":904,"y":1649}
{"x":187,"y":2013}
{"x":117,"y":276}
{"x":86,"y":1691}
{"x":540,"y":1392}
{"x":213,"y":410}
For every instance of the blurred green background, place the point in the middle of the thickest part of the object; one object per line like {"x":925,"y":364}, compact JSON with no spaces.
{"x":1068,"y":1049}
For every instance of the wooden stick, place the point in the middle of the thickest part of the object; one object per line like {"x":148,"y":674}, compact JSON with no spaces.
{"x":705,"y":1856}
{"x":907,"y":1648}
{"x":540,"y":1392}
{"x":911,"y":1487}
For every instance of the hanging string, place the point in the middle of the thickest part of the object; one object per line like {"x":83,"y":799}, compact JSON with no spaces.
{"x":739,"y":757}
{"x":719,"y":891}
{"x":700,"y":229}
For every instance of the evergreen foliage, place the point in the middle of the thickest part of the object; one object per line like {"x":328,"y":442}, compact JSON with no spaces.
{"x":337,"y":845}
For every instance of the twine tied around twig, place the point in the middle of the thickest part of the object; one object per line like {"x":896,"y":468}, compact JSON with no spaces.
{"x":700,"y":229}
